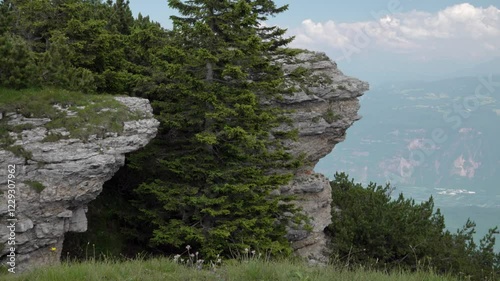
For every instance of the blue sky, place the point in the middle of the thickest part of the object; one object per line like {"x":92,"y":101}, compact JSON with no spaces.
{"x":380,"y":40}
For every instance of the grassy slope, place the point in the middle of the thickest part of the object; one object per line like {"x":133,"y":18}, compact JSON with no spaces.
{"x":164,"y":269}
{"x":92,"y":114}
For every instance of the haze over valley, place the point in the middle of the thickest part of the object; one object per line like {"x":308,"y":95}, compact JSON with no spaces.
{"x":436,"y":138}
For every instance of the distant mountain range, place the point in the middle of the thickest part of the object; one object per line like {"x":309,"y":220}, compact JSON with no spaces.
{"x":485,"y":68}
{"x":391,"y":70}
{"x":437,"y":138}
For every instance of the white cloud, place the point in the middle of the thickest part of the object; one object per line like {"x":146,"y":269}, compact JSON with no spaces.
{"x":456,"y":31}
{"x":327,"y":32}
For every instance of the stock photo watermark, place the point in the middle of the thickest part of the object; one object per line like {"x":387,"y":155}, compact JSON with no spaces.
{"x":362,"y":39}
{"x":461,"y":110}
{"x":11,"y":217}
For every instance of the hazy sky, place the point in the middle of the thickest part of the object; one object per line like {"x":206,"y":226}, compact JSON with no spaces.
{"x":384,"y":39}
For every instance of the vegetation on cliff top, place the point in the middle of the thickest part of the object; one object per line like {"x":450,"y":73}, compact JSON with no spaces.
{"x":79,"y":115}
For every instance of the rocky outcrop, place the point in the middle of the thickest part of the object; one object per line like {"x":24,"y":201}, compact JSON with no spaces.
{"x":53,"y":186}
{"x":324,"y":105}
{"x":54,"y":180}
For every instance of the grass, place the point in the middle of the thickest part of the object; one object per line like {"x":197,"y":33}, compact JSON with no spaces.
{"x":304,"y":78}
{"x":35,"y":185}
{"x":330,"y":116}
{"x":300,"y":72}
{"x":53,"y":137}
{"x":93,"y":114}
{"x":22,"y":127}
{"x":19,"y":151}
{"x":166,"y":269}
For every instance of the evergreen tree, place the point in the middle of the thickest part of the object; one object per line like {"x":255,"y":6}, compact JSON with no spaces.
{"x":89,"y":39}
{"x":16,"y":62}
{"x":16,"y":59}
{"x":55,"y":69}
{"x":216,"y":159}
{"x":121,"y":19}
{"x":5,"y":16}
{"x":148,"y":51}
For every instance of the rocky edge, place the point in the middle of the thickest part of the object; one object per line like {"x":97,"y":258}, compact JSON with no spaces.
{"x":54,"y":186}
{"x":324,"y":106}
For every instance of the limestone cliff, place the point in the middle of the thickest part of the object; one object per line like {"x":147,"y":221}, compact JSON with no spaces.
{"x":55,"y":179}
{"x":324,"y":106}
{"x":59,"y":178}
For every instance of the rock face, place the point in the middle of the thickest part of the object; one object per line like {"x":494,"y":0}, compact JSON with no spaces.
{"x":324,"y":106}
{"x":53,"y":187}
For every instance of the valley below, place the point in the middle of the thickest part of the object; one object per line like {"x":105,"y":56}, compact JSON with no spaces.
{"x":437,"y":139}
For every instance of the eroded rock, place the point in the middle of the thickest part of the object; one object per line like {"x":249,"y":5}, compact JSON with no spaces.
{"x":324,"y":107}
{"x":54,"y":186}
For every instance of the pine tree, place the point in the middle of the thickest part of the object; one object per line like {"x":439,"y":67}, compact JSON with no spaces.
{"x":55,"y":69}
{"x":121,"y":19}
{"x":16,"y":59}
{"x":16,"y":62}
{"x":91,"y":34}
{"x":369,"y":228}
{"x":5,"y":16}
{"x":216,"y":159}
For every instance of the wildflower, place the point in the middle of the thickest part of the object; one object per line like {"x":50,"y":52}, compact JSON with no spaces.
{"x":253,"y":253}
{"x":199,"y":264}
{"x":176,"y":257}
{"x":191,"y":255}
{"x":188,"y":247}
{"x":53,"y":249}
{"x":246,"y":250}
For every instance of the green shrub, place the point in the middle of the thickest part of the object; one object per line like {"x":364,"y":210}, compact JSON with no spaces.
{"x":21,"y":127}
{"x":53,"y":137}
{"x":330,"y":116}
{"x":370,"y":229}
{"x":20,"y":151}
{"x":16,"y":62}
{"x":5,"y":138}
{"x":299,"y":72}
{"x":35,"y":185}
